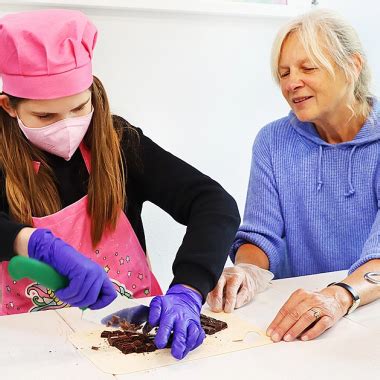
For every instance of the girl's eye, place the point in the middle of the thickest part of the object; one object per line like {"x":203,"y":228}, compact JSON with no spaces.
{"x":80,"y":108}
{"x":48,"y":116}
{"x":310,"y":68}
{"x":283,"y":75}
{"x":43,"y":117}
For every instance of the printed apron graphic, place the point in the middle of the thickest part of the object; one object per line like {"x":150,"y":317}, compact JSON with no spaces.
{"x":119,"y":253}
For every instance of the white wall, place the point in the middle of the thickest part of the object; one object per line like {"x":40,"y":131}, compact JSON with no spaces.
{"x":200,"y":86}
{"x":195,"y":84}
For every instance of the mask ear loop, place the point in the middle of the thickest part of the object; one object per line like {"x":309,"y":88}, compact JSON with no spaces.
{"x":19,"y":118}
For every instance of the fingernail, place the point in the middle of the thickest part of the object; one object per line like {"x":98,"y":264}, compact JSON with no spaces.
{"x":269,"y":332}
{"x":276,"y":337}
{"x":304,"y":337}
{"x":287,"y":337}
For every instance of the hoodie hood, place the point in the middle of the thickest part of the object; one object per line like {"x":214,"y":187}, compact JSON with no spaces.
{"x":369,"y":132}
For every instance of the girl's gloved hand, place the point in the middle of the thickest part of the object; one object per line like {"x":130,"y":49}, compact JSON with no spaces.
{"x":178,"y":311}
{"x":89,"y":285}
{"x":237,"y":286}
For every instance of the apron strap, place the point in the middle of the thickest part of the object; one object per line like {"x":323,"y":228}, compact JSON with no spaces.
{"x":36,"y":166}
{"x":86,"y":155}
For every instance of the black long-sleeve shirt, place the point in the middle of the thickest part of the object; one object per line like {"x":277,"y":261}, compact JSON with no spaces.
{"x":153,"y":174}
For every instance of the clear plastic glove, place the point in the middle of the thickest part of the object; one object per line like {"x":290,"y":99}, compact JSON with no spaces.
{"x":89,"y":285}
{"x":237,"y":286}
{"x":178,"y":311}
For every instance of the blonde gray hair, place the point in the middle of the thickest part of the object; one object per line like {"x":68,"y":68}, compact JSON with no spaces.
{"x":329,"y":40}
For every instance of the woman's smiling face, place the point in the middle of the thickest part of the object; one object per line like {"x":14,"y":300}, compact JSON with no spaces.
{"x":312,"y":92}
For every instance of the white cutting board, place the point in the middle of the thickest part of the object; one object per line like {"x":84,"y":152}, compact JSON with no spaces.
{"x":110,"y":360}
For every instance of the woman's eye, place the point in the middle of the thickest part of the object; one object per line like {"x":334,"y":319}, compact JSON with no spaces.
{"x":283,"y":75}
{"x":309,"y":68}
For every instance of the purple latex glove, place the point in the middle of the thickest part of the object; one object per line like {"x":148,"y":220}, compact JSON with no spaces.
{"x":178,"y":311}
{"x":89,"y":285}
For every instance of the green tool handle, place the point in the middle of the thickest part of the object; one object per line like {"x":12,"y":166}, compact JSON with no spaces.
{"x":23,"y":267}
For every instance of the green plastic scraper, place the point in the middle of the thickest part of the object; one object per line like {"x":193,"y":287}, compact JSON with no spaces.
{"x":23,"y":267}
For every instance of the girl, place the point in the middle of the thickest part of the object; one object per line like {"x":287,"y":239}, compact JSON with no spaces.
{"x":74,"y":178}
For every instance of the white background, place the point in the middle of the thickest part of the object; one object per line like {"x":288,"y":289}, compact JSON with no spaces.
{"x":199,"y":84}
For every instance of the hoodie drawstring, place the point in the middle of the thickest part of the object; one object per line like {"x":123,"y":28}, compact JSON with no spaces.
{"x":319,"y":179}
{"x":351,"y":189}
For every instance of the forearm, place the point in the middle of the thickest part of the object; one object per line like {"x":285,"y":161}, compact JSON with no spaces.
{"x":251,"y":254}
{"x":21,"y":242}
{"x":195,"y":200}
{"x":368,"y":292}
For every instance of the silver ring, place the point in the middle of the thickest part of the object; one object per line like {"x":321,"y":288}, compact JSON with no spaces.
{"x":373,"y":277}
{"x":316,"y":312}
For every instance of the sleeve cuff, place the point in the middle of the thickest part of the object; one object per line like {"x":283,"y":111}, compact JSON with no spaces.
{"x":196,"y":277}
{"x":9,"y":231}
{"x":261,"y":242}
{"x":363,"y":260}
{"x":235,"y":246}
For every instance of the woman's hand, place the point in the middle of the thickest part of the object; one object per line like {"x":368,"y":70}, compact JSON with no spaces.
{"x":237,"y":286}
{"x":308,"y":314}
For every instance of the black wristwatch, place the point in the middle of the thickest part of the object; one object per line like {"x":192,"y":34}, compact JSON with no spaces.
{"x":352,"y":291}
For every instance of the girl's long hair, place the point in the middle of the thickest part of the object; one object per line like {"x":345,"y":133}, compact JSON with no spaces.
{"x":35,"y":194}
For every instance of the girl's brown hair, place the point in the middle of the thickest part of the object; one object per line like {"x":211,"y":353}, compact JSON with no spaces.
{"x":35,"y":194}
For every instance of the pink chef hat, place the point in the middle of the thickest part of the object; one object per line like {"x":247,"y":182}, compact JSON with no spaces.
{"x":46,"y":54}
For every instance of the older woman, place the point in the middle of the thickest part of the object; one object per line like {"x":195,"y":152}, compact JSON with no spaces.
{"x":313,"y":196}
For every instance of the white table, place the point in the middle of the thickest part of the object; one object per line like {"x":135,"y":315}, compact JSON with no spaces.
{"x":35,"y":346}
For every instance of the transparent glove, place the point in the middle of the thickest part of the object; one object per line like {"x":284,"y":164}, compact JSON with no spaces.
{"x":237,"y":286}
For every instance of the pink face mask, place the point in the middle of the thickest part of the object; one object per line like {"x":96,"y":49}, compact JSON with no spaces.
{"x":61,"y":138}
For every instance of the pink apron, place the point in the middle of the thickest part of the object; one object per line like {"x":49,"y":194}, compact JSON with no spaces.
{"x":119,"y":253}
